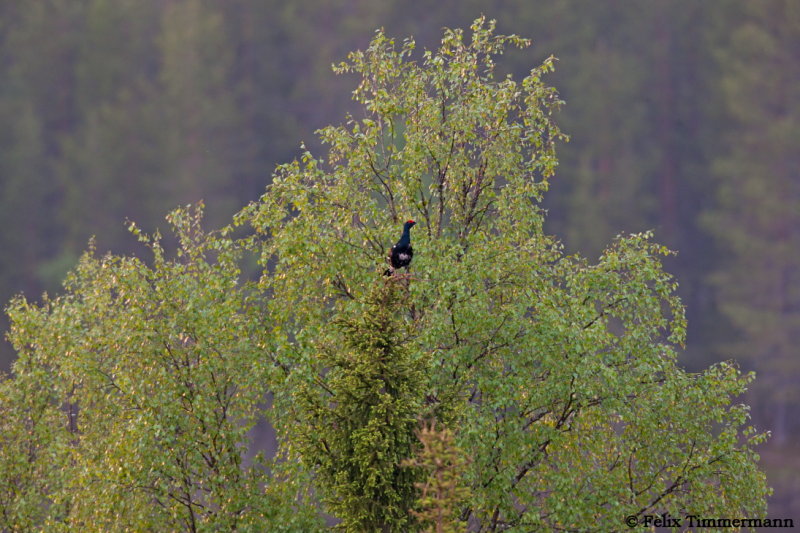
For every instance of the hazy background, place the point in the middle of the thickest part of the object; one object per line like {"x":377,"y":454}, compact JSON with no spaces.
{"x":684,"y":117}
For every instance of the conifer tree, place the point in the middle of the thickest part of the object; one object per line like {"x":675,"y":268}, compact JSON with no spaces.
{"x":359,"y":414}
{"x":205,"y":138}
{"x":757,"y":216}
{"x":442,"y":491}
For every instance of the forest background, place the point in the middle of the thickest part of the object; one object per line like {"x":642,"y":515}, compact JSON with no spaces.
{"x":684,"y":117}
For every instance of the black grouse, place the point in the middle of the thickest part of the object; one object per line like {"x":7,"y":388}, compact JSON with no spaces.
{"x":401,"y":253}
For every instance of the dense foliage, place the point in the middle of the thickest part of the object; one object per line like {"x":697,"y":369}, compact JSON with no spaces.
{"x":133,"y":396}
{"x":133,"y":393}
{"x":558,"y":376}
{"x":358,"y":415}
{"x":680,"y":112}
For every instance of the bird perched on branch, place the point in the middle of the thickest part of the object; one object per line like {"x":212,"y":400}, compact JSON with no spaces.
{"x":401,"y":253}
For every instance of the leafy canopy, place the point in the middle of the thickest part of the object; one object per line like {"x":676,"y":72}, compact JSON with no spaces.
{"x":133,"y":396}
{"x":555,"y":378}
{"x":558,"y":376}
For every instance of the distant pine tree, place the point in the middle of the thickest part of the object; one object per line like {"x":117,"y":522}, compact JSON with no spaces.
{"x":757,"y":216}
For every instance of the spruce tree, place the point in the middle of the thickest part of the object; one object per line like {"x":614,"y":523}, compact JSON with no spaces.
{"x":358,"y":416}
{"x":757,"y":214}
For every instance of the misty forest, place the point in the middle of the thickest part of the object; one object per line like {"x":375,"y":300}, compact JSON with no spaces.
{"x":202,"y":331}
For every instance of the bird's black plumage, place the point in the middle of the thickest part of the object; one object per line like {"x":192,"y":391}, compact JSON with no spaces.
{"x":401,"y":253}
